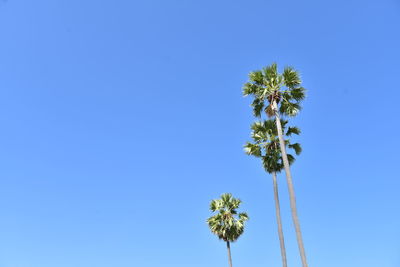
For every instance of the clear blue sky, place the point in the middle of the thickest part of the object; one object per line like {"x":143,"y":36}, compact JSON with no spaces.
{"x":120,"y":121}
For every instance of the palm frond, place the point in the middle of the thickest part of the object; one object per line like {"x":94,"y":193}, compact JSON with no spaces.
{"x":252,"y":149}
{"x":291,"y":77}
{"x":243,"y":216}
{"x":249,"y":89}
{"x":271,"y":72}
{"x":286,"y":95}
{"x":293,"y":130}
{"x":291,"y":159}
{"x":256,"y":77}
{"x":214,"y":205}
{"x":257,"y":126}
{"x":266,"y":126}
{"x":259,"y":136}
{"x":289,"y":108}
{"x":298,"y":94}
{"x":258,"y":106}
{"x":296,"y":147}
{"x":270,"y":126}
{"x":271,"y":162}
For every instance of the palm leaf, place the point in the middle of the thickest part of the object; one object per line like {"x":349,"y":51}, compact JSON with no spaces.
{"x":256,"y":77}
{"x":298,"y":94}
{"x":258,"y":106}
{"x":271,"y":72}
{"x":291,"y":77}
{"x":291,"y":159}
{"x":249,"y":89}
{"x":289,"y":108}
{"x":293,"y":130}
{"x":252,"y":149}
{"x":296,"y":147}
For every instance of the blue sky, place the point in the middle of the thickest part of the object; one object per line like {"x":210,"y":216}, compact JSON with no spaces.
{"x":121,"y":120}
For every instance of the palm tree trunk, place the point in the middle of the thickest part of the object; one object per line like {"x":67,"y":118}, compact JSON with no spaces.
{"x":279,"y":221}
{"x":290,"y":186}
{"x":228,"y":245}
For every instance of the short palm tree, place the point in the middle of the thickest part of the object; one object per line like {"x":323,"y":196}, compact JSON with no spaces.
{"x":279,"y":94}
{"x":266,"y":147}
{"x":227,"y":224}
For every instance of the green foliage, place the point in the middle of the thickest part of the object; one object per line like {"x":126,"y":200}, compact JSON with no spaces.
{"x":296,"y":147}
{"x":291,"y":159}
{"x":298,"y":94}
{"x":293,"y":130}
{"x":289,"y":108}
{"x":249,"y":89}
{"x":256,"y":77}
{"x":252,"y":149}
{"x":266,"y":144}
{"x":258,"y":106}
{"x":291,"y":78}
{"x":227,"y":224}
{"x":268,"y":85}
{"x":271,"y":74}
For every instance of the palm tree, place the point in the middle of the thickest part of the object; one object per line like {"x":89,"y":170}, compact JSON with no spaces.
{"x":227,"y":224}
{"x":266,"y":147}
{"x":279,"y":94}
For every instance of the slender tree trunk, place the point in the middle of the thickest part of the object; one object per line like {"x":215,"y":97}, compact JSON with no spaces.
{"x":228,"y":245}
{"x":279,"y":221}
{"x":290,"y":186}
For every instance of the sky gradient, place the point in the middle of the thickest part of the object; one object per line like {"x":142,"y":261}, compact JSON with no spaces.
{"x":121,"y":120}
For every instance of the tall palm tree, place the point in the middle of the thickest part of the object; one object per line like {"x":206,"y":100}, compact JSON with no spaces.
{"x":266,"y":147}
{"x":227,"y":224}
{"x":279,"y":94}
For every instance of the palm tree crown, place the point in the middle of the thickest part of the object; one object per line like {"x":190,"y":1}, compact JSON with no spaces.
{"x":266,"y":144}
{"x":269,"y":85}
{"x":227,"y":224}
